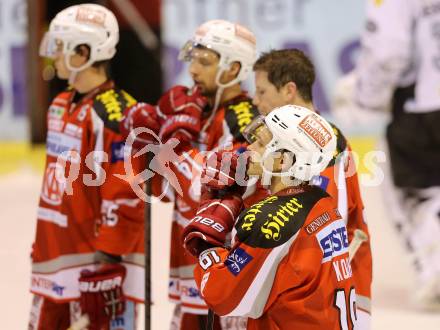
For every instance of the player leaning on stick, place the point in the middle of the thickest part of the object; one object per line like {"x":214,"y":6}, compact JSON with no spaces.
{"x":85,"y":225}
{"x":286,"y":77}
{"x":288,"y":265}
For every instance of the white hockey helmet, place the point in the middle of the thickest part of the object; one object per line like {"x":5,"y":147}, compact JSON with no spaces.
{"x":301,"y":131}
{"x":88,"y":24}
{"x":233,"y":43}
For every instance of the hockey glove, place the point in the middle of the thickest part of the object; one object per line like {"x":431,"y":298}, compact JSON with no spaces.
{"x":102,"y":298}
{"x":213,"y":221}
{"x":226,"y":170}
{"x":141,"y":115}
{"x":183,"y":110}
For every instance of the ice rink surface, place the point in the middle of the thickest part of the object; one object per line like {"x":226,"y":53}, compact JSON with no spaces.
{"x":392,"y":288}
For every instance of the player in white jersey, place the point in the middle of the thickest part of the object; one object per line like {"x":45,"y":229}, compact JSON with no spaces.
{"x":399,"y":68}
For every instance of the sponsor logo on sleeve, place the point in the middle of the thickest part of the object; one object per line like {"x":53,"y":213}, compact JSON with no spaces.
{"x":117,"y":151}
{"x":320,"y":181}
{"x":333,"y":240}
{"x":237,"y":261}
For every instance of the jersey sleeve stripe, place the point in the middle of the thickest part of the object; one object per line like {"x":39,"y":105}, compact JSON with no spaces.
{"x":253,"y":302}
{"x":364,"y":303}
{"x":342,"y":189}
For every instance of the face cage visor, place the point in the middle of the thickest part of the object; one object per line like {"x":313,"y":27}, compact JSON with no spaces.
{"x":191,"y":50}
{"x":50,"y":46}
{"x":251,"y":130}
{"x":53,"y":43}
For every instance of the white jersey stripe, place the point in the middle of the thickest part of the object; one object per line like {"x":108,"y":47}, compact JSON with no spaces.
{"x":255,"y":298}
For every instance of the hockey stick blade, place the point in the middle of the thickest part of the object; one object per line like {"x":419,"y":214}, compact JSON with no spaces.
{"x":358,"y":239}
{"x":80,"y":324}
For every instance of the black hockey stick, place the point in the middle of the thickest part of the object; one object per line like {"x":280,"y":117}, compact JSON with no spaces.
{"x":210,"y":320}
{"x":147,"y":248}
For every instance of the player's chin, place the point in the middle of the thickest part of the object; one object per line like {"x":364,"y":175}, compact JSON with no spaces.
{"x":62,"y":74}
{"x":202,"y":89}
{"x":254,"y":169}
{"x":264,"y":110}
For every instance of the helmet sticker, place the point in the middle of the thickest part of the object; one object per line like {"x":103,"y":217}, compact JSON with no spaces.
{"x":90,"y":16}
{"x":315,"y":130}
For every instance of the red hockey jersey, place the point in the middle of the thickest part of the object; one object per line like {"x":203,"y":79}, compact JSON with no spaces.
{"x":223,"y":130}
{"x":84,"y":204}
{"x":288,"y":267}
{"x":340,"y":180}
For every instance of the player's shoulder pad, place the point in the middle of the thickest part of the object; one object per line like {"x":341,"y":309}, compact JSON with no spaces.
{"x":109,"y":106}
{"x":341,"y":144}
{"x":239,"y":114}
{"x":274,"y":220}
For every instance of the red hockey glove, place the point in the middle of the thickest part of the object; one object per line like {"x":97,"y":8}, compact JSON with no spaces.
{"x":214,"y":220}
{"x":183,"y":110}
{"x":102,"y":298}
{"x":225,"y":169}
{"x":141,"y":115}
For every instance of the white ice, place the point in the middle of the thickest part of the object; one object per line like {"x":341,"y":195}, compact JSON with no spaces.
{"x":392,"y":288}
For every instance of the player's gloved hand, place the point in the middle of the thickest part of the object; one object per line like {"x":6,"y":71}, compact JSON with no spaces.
{"x":141,"y":115}
{"x":213,"y":221}
{"x":226,"y":169}
{"x":102,"y":298}
{"x":183,"y":110}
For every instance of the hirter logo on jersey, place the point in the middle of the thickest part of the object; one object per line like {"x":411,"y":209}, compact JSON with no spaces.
{"x":237,"y":260}
{"x":315,"y":130}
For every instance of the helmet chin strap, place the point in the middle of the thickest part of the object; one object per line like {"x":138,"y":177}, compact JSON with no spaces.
{"x":72,"y":77}
{"x":267,"y":177}
{"x":268,"y":174}
{"x":218,"y":95}
{"x":75,"y":70}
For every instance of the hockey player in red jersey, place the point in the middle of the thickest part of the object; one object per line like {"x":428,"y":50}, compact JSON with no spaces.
{"x":286,"y":77}
{"x":210,"y":115}
{"x":88,"y":250}
{"x":288,"y":266}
